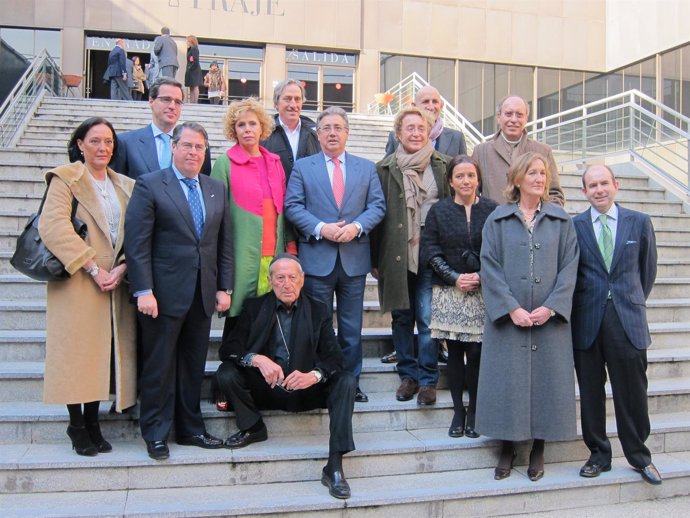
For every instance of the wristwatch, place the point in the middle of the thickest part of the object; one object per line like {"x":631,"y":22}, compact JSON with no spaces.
{"x":317,"y":374}
{"x":228,"y":292}
{"x":93,"y":271}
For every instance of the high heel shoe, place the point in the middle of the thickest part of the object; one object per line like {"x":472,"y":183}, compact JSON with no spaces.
{"x":97,"y":439}
{"x":536,"y":461}
{"x":501,"y":472}
{"x":81,"y":442}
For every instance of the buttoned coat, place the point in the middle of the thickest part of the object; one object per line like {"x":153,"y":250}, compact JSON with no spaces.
{"x":526,"y":379}
{"x":632,"y":275}
{"x":494,"y":164}
{"x":165,"y":49}
{"x":389,"y":238}
{"x":80,"y":317}
{"x":309,"y":200}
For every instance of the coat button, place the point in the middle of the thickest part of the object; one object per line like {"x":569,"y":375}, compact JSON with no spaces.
{"x":534,"y":347}
{"x":398,"y":258}
{"x":400,"y":225}
{"x":537,"y":280}
{"x":537,"y":246}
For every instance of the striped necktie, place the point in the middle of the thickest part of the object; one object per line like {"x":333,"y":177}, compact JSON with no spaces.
{"x":605,"y":241}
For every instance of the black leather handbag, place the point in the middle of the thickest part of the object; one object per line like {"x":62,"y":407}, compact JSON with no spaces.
{"x":32,"y":258}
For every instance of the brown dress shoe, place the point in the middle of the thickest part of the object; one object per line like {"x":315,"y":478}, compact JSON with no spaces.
{"x":427,"y":395}
{"x":407,"y":389}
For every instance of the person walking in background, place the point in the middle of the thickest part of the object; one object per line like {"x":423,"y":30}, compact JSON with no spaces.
{"x":413,"y":179}
{"x":215,"y":84}
{"x":138,"y":79}
{"x":91,"y":325}
{"x":451,"y":243}
{"x":334,"y":199}
{"x":192,"y":74}
{"x":528,"y":270}
{"x":116,"y":73}
{"x":610,"y":331}
{"x":165,"y":49}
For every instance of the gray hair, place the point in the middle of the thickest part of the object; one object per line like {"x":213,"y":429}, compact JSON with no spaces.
{"x":192,"y":126}
{"x":333,"y":110}
{"x":165,"y":30}
{"x":278,"y":90}
{"x":499,"y":106}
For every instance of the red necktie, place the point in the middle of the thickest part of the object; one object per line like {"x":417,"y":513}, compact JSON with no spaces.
{"x":338,"y":182}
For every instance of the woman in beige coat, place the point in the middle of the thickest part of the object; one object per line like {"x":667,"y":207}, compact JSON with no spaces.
{"x":91,"y":326}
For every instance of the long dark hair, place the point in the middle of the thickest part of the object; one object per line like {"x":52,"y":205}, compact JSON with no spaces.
{"x":80,"y":132}
{"x":464,"y":159}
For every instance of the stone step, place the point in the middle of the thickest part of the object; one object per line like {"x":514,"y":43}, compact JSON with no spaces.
{"x":448,"y":493}
{"x":53,"y":468}
{"x":643,"y":205}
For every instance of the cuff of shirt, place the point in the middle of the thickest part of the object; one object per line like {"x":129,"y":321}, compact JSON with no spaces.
{"x":317,"y":230}
{"x":359,"y":228}
{"x":142,"y":293}
{"x":247,"y":359}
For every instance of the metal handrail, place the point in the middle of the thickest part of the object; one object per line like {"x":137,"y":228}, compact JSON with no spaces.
{"x":630,"y":122}
{"x":42,"y":77}
{"x":404,"y":93}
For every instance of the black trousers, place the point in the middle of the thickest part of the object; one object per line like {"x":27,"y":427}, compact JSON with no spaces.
{"x":173,"y":363}
{"x":247,"y":391}
{"x":627,"y":370}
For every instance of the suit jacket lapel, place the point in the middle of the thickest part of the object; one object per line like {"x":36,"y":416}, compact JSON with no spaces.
{"x":588,"y":236}
{"x":148,"y":149}
{"x":351,"y":178}
{"x":625,"y":226}
{"x":174,"y":190}
{"x":212,"y":197}
{"x":321,"y":171}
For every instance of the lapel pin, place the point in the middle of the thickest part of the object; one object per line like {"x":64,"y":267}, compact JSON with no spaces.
{"x":212,"y":195}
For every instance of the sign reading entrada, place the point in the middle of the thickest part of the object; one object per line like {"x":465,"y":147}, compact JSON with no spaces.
{"x":250,"y":7}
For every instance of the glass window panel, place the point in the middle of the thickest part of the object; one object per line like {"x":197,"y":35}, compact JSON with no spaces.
{"x":571,"y":89}
{"x":522,"y":84}
{"x":412,"y":64}
{"x":231,"y":51}
{"x":631,"y":77}
{"x":648,"y":77}
{"x":501,"y":82}
{"x":547,"y":92}
{"x":470,"y":91}
{"x":338,"y":87}
{"x":390,"y":71}
{"x":685,"y":72}
{"x":488,"y":125}
{"x":21,"y":40}
{"x":442,"y":76}
{"x":244,"y":79}
{"x":309,"y":77}
{"x":49,"y":40}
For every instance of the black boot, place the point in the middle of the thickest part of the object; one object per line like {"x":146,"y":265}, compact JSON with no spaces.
{"x":97,"y":439}
{"x":81,"y":442}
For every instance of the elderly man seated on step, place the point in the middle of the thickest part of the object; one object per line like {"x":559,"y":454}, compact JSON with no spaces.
{"x":283,"y":354}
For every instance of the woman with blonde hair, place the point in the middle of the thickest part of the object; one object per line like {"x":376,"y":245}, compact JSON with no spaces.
{"x":256,"y":186}
{"x":192,"y":75}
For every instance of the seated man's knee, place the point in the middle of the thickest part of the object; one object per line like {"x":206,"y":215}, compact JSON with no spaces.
{"x":227,"y":376}
{"x":344,"y":379}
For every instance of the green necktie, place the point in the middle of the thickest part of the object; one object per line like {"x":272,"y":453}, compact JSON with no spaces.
{"x":605,"y":241}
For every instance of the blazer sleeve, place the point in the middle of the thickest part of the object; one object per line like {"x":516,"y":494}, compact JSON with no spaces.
{"x":392,"y":144}
{"x":648,"y":257}
{"x":376,"y":203}
{"x":139,"y":227}
{"x":226,"y":255}
{"x":561,"y":297}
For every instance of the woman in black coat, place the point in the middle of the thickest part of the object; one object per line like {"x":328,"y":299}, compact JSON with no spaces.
{"x":192,"y":75}
{"x":451,"y":242}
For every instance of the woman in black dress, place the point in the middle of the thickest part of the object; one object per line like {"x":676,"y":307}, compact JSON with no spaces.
{"x":192,"y":76}
{"x":451,"y":242}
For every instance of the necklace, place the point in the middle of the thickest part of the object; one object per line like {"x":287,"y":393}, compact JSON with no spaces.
{"x":107,"y":206}
{"x":102,"y":190}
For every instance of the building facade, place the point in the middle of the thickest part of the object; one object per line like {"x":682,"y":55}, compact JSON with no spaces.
{"x":556,"y":53}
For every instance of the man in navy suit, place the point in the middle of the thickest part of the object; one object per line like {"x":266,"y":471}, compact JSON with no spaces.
{"x":609,"y":323}
{"x":334,"y":199}
{"x":446,"y":140}
{"x":116,"y":73}
{"x":180,"y":266}
{"x":148,"y":149}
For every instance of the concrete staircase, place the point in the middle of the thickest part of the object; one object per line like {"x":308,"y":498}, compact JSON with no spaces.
{"x":404,"y":464}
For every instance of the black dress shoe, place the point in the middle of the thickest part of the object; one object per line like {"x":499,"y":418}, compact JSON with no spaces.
{"x":242,"y":439}
{"x":389,"y":358}
{"x":361,"y":397}
{"x":593,"y":470}
{"x":650,"y":474}
{"x":158,"y":450}
{"x":456,"y":431}
{"x":203,"y":440}
{"x":471,"y":432}
{"x":336,"y":483}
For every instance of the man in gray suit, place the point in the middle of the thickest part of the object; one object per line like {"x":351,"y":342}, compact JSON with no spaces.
{"x":334,"y":199}
{"x":609,"y":323}
{"x":165,"y":49}
{"x":446,"y":140}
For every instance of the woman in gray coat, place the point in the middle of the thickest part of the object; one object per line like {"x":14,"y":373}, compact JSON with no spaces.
{"x":529,"y":260}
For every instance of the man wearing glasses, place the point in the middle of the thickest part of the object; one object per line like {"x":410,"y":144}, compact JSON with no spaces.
{"x":335,"y":200}
{"x":180,"y":266}
{"x":148,"y":149}
{"x":283,"y":354}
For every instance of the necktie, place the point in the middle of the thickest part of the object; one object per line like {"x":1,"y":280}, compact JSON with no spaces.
{"x":338,"y":182}
{"x":166,"y":151}
{"x":195,"y":205}
{"x":605,"y":241}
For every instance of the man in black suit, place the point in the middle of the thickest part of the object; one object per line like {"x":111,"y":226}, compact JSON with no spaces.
{"x":283,"y":354}
{"x":148,"y":149}
{"x":609,"y":323}
{"x":294,"y":136}
{"x":116,"y":73}
{"x":180,"y":265}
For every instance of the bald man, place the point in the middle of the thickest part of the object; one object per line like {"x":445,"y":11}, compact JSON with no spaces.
{"x":496,"y":155}
{"x":447,"y":141}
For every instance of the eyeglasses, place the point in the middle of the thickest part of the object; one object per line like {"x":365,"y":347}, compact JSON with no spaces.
{"x":188,"y":146}
{"x":169,"y":100}
{"x":337,"y":129}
